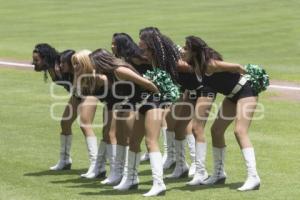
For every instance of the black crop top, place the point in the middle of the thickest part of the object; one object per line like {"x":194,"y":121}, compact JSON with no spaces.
{"x":221,"y":82}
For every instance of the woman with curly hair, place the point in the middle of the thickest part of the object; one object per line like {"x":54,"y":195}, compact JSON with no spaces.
{"x":239,"y":105}
{"x":196,"y":99}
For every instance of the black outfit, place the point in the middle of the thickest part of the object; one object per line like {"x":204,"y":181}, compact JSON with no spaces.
{"x":189,"y":81}
{"x":224,"y":83}
{"x":141,"y":68}
{"x":66,"y":80}
{"x":66,"y":77}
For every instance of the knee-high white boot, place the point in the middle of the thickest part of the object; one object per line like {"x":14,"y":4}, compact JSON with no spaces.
{"x":65,"y":160}
{"x":253,"y":180}
{"x":169,"y":157}
{"x":99,"y":169}
{"x":91,"y":143}
{"x":219,"y":175}
{"x":181,"y":169}
{"x":200,"y":173}
{"x":158,"y":187}
{"x":130,"y":178}
{"x":120,"y":160}
{"x":114,"y":176}
{"x":191,"y":145}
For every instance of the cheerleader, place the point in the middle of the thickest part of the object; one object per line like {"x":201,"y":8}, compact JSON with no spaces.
{"x":108,"y":146}
{"x":60,"y":69}
{"x":125,"y":48}
{"x":161,"y":50}
{"x":168,"y":137}
{"x":148,"y":121}
{"x":239,"y":105}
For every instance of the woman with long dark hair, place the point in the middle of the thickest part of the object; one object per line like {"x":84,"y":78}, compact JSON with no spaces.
{"x":125,"y":48}
{"x":239,"y":105}
{"x":163,"y":53}
{"x":60,"y":69}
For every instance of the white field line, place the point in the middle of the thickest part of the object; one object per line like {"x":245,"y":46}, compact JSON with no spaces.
{"x":15,"y":64}
{"x":281,"y":87}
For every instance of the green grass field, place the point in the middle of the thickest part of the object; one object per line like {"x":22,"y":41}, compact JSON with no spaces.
{"x":264,"y":32}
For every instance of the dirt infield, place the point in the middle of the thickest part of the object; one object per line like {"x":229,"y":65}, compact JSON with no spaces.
{"x":280,"y":90}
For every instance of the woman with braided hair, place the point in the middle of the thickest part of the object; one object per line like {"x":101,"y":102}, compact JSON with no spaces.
{"x":160,"y":49}
{"x":239,"y":105}
{"x":60,"y":69}
{"x":166,"y":130}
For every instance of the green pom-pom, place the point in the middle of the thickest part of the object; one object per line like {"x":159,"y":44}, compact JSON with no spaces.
{"x":258,"y":77}
{"x":168,"y":89}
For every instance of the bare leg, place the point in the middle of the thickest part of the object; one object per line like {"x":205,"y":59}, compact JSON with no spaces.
{"x":226,"y":115}
{"x":87,"y":110}
{"x":202,"y":109}
{"x":69,"y":116}
{"x":153,"y":121}
{"x":182,"y":112}
{"x":245,"y":111}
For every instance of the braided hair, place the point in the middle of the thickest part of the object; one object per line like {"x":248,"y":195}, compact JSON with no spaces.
{"x":164,"y":55}
{"x":201,"y":52}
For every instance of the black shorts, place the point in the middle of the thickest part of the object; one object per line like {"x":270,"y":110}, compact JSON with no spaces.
{"x":204,"y":91}
{"x":246,"y":91}
{"x":110,"y":102}
{"x":151,"y":102}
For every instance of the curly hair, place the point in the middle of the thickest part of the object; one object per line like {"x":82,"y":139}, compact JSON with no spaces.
{"x":164,"y":55}
{"x":126,"y":48}
{"x":49,"y":55}
{"x":201,"y":52}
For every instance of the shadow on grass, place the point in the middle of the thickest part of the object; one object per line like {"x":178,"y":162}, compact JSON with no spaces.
{"x":78,"y":180}
{"x":112,"y":192}
{"x":232,"y":186}
{"x":146,"y":172}
{"x":147,"y":162}
{"x":176,"y":180}
{"x":56,"y":173}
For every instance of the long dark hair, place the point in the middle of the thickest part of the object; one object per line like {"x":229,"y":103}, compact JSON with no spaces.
{"x":66,"y":56}
{"x":149,"y":29}
{"x":49,"y":55}
{"x":163,"y":52}
{"x":201,"y":52}
{"x":126,"y":48}
{"x":105,"y":63}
